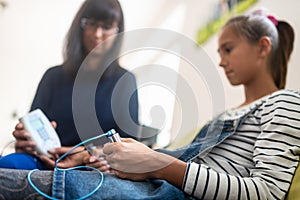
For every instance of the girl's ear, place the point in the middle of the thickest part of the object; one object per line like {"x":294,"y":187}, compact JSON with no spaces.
{"x":265,"y":46}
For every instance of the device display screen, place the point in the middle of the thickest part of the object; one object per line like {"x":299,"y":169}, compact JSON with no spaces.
{"x":36,"y":123}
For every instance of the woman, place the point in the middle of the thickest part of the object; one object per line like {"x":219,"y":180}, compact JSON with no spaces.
{"x":85,"y":57}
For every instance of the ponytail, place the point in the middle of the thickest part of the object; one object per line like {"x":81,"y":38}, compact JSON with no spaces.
{"x":282,"y":55}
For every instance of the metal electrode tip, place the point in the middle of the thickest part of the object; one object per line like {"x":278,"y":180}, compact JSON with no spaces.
{"x":111,"y":132}
{"x":113,"y":136}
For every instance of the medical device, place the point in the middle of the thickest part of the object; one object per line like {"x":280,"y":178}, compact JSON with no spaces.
{"x":41,"y":131}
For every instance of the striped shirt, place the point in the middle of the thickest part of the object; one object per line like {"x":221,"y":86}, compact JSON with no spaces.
{"x":258,"y":161}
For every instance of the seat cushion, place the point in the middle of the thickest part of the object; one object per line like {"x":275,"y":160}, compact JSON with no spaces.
{"x":294,"y":191}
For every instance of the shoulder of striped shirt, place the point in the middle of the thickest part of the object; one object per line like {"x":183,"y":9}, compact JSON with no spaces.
{"x":284,"y":94}
{"x":292,"y":92}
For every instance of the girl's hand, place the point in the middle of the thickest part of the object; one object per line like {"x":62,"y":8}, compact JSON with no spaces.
{"x":131,"y":156}
{"x":97,"y":162}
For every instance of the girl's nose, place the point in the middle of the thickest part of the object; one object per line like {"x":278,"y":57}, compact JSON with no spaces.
{"x":222,"y":62}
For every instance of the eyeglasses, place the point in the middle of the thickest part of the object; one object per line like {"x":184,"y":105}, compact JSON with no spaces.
{"x":93,"y":25}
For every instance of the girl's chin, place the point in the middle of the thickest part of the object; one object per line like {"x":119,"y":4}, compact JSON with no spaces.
{"x":234,"y":83}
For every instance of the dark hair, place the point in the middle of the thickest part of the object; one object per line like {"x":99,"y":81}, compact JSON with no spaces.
{"x":253,"y":27}
{"x":107,"y":11}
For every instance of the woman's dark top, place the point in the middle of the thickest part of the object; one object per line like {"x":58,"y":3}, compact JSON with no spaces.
{"x":54,"y":98}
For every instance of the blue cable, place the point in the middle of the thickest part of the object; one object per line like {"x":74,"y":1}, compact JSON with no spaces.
{"x":78,"y":167}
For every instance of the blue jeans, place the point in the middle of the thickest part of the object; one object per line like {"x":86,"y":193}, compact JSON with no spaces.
{"x":79,"y":183}
{"x":75,"y":184}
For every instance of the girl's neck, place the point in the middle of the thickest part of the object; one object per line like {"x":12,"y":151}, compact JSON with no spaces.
{"x":254,"y":93}
{"x":261,"y":85}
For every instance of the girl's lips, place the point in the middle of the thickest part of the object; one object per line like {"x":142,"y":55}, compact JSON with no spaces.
{"x":229,"y":72}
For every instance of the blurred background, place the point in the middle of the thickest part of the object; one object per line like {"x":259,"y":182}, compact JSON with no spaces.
{"x":32,"y":33}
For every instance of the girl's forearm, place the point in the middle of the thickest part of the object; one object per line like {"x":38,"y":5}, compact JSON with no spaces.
{"x":174,"y":172}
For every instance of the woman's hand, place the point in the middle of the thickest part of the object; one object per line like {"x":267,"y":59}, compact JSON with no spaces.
{"x":75,"y":158}
{"x":24,"y":143}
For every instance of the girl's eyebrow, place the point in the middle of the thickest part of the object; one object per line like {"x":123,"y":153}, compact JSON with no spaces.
{"x":222,"y":46}
{"x":225,"y":44}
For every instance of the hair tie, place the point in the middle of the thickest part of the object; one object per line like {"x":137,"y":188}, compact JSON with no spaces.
{"x":273,"y":19}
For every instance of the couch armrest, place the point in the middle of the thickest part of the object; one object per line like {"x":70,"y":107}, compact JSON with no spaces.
{"x":294,"y":190}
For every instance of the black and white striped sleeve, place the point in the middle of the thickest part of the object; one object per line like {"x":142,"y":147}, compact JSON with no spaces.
{"x":275,"y":157}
